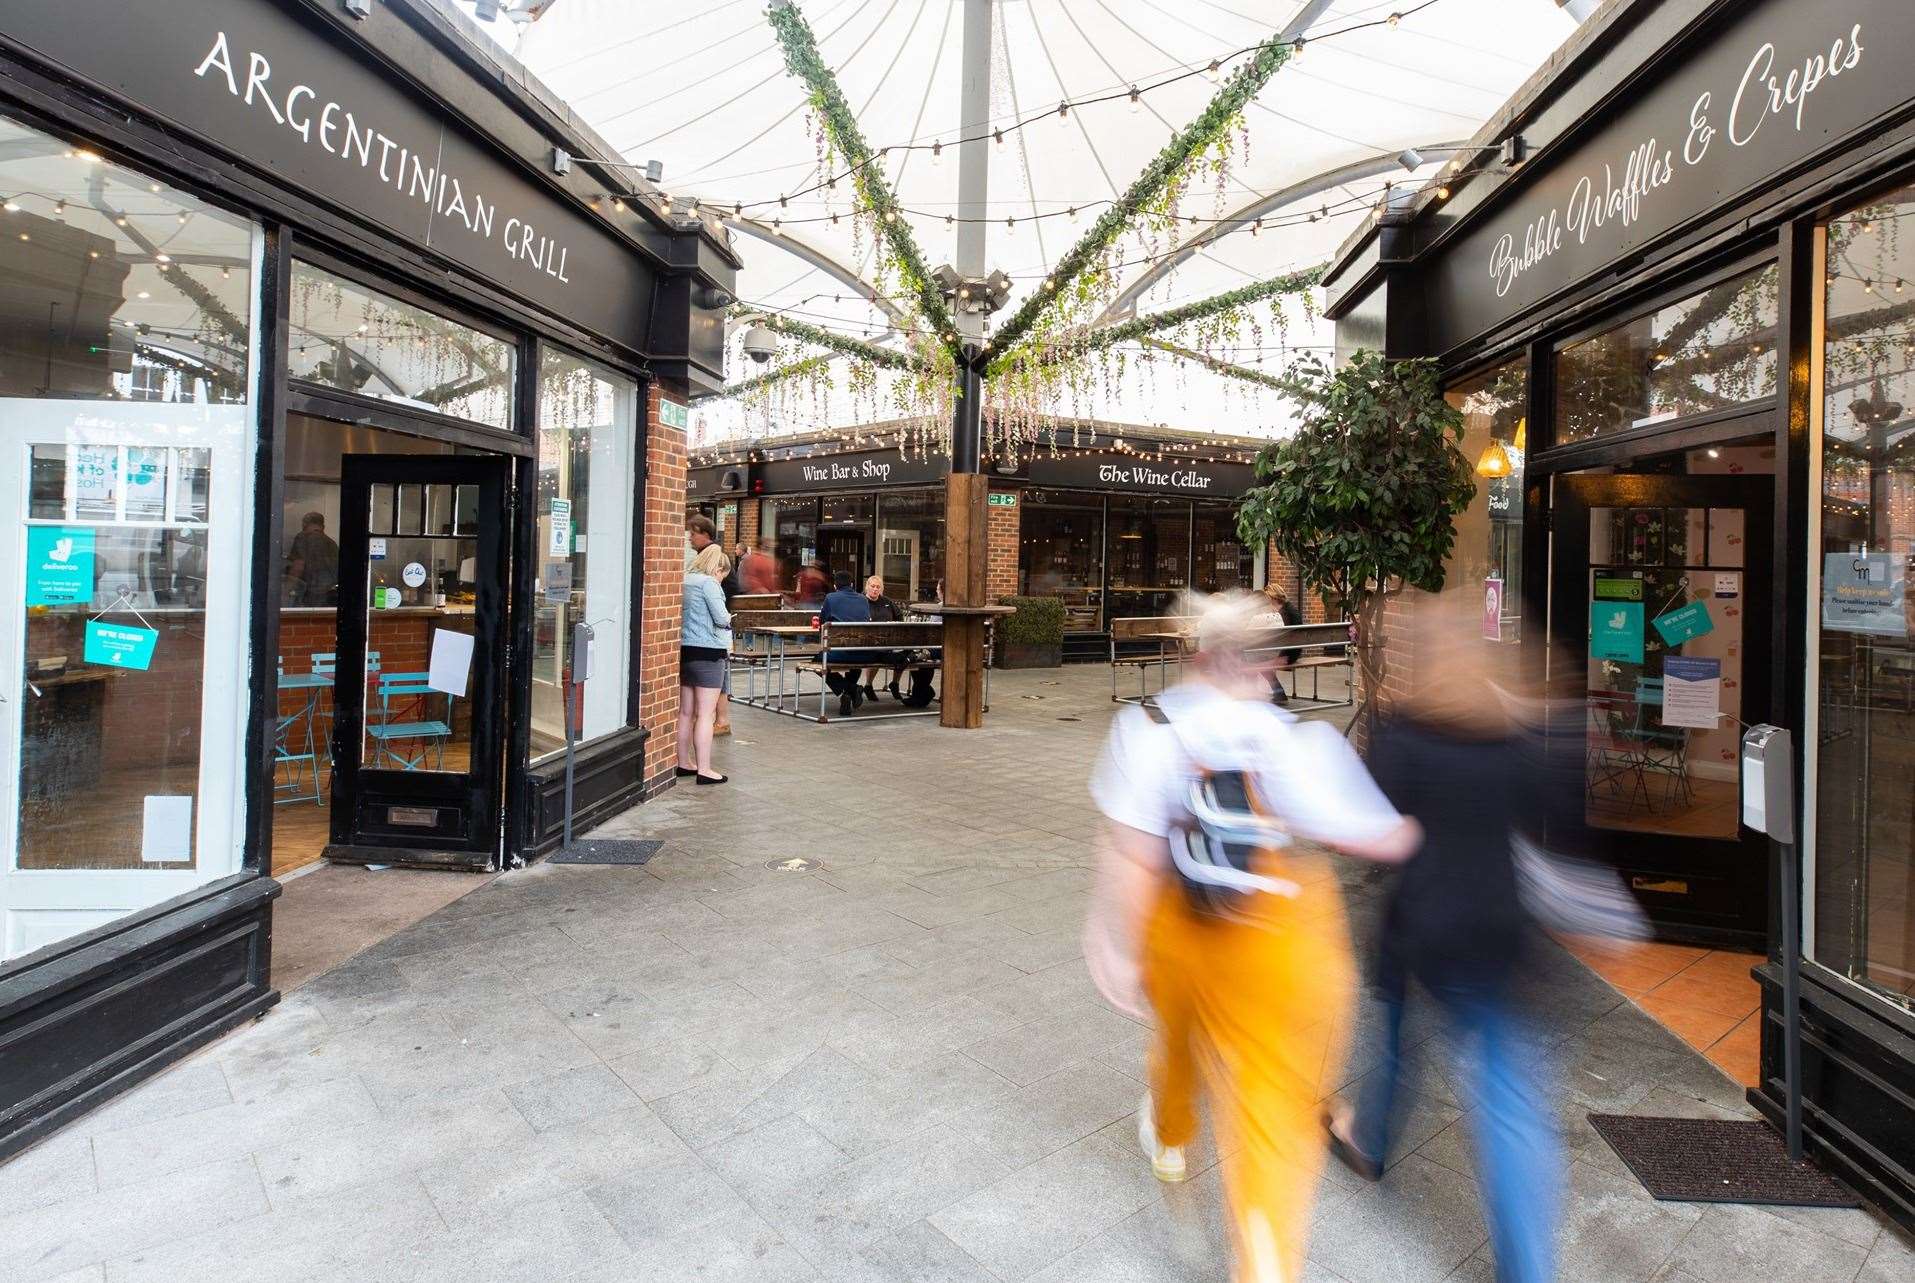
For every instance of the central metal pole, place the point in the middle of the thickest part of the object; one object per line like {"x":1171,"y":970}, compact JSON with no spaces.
{"x":974,"y":159}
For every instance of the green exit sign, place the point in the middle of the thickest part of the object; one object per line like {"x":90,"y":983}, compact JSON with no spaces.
{"x":672,"y":414}
{"x":1003,"y":500}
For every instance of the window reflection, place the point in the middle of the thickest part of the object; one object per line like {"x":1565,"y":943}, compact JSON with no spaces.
{"x":1712,"y":351}
{"x":348,"y":337}
{"x":1489,"y":533}
{"x":1864,"y":866}
{"x":115,"y":287}
{"x":1061,"y":554}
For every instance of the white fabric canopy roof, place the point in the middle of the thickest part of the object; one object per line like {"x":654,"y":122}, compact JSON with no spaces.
{"x":700,"y":86}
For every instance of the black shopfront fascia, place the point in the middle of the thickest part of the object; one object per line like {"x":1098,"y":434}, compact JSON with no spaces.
{"x":1428,"y":289}
{"x":90,"y":1016}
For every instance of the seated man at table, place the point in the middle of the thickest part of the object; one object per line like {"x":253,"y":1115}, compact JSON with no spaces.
{"x":844,"y":605}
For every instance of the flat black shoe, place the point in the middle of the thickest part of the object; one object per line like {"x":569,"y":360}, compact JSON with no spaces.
{"x":711,"y":779}
{"x":682,"y":771}
{"x":893,"y":688}
{"x":844,"y":704}
{"x":868,"y":692}
{"x":1347,"y":1154}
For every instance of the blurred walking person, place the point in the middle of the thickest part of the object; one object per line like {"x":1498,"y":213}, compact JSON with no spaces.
{"x":1216,"y":915}
{"x":1451,"y":756}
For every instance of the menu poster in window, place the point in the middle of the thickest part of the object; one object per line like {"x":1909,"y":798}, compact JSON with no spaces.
{"x":145,"y":483}
{"x":1493,"y":609}
{"x":59,"y":565}
{"x":96,"y":477}
{"x":1691,"y":692}
{"x":1864,"y":592}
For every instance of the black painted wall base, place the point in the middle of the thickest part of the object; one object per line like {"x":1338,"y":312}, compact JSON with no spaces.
{"x":83,"y":1020}
{"x":608,"y":777}
{"x":1858,"y":1076}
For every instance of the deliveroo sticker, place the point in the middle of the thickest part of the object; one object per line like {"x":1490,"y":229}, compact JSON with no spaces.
{"x":1615,"y":631}
{"x":115,"y":646}
{"x":59,"y":565}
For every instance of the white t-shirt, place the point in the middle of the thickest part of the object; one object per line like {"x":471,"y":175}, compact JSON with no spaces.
{"x":1306,"y":771}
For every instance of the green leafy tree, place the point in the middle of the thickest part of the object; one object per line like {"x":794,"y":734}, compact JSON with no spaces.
{"x":1363,"y":498}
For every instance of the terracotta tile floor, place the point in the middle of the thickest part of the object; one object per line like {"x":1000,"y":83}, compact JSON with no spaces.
{"x":1704,"y":996}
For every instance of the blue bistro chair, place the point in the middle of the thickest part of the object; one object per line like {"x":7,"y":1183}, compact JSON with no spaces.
{"x":326,"y":664}
{"x":295,"y":752}
{"x":405,"y":719}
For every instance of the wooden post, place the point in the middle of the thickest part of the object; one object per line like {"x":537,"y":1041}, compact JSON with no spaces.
{"x":966,"y":524}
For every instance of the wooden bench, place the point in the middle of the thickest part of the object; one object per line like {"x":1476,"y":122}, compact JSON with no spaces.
{"x":754,"y":651}
{"x":1156,"y":635}
{"x":850,"y":648}
{"x":1306,"y":645}
{"x":752,"y":601}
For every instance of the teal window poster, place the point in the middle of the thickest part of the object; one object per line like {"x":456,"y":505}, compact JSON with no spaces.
{"x":117,"y":646}
{"x":1615,"y":630}
{"x":59,"y":565}
{"x":1685,"y":623}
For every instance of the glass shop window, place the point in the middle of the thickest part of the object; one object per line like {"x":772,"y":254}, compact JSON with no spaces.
{"x":792,"y":527}
{"x":1061,"y":554}
{"x":911,"y":544}
{"x":1712,"y":351}
{"x":1861,"y":814}
{"x":1149,"y":553}
{"x":126,"y":360}
{"x":587,"y":443}
{"x":354,"y":339}
{"x":1222,"y":562}
{"x":1489,"y":533}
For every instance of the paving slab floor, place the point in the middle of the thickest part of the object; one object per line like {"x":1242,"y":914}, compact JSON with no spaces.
{"x":892,"y":1067}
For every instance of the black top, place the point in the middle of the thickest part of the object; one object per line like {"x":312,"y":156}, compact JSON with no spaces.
{"x":1454,"y":919}
{"x":886,"y":611}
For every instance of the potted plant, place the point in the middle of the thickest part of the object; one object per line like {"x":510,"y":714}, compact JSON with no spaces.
{"x":1363,"y":498}
{"x":1034,"y":636}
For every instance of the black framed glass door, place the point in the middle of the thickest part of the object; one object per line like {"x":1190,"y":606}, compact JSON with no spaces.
{"x":1662,"y":623}
{"x":417,"y":736}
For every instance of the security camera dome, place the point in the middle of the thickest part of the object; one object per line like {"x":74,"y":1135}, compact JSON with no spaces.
{"x":760,"y":344}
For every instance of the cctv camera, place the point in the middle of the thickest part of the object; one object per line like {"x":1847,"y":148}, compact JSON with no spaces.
{"x":760,"y":344}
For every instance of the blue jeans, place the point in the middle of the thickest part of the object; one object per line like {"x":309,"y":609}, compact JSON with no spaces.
{"x":1519,"y":1168}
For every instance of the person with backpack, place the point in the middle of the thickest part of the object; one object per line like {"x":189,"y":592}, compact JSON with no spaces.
{"x":1215,"y":915}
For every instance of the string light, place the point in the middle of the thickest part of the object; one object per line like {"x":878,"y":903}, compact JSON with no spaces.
{"x":1214,"y":70}
{"x":997,"y":136}
{"x":1063,"y":113}
{"x":1136,"y":99}
{"x":937,"y":153}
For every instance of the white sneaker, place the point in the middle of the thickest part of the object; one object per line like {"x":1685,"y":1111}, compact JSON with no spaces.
{"x":1166,"y":1161}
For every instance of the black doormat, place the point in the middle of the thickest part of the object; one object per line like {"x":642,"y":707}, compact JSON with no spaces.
{"x":605,"y":851}
{"x":1705,"y":1160}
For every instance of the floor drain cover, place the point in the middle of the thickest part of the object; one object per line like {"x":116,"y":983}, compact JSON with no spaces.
{"x":1705,"y":1160}
{"x":796,"y":864}
{"x":1070,"y":719}
{"x":606,"y":851}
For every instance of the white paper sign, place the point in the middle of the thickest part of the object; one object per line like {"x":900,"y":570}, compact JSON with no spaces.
{"x":376,"y":549}
{"x":1728,"y":585}
{"x":451,"y":661}
{"x":559,"y":539}
{"x":166,"y":834}
{"x":1691,"y":692}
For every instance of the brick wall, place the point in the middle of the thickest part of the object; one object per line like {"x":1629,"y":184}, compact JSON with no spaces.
{"x":1307,"y":599}
{"x":1001,"y":548}
{"x":660,"y":613}
{"x":748,"y":522}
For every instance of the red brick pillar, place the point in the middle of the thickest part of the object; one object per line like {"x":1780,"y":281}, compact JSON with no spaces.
{"x":1308,"y":601}
{"x":664,"y":589}
{"x":748,"y":522}
{"x":1006,"y":524}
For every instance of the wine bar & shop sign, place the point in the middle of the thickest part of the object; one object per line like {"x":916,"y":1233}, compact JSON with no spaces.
{"x":1783,"y":82}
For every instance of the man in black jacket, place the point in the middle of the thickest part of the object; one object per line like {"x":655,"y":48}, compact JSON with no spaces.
{"x":844,"y":605}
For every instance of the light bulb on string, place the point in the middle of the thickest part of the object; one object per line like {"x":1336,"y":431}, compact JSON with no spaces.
{"x":997,"y":136}
{"x":937,"y":153}
{"x":1213,"y":71}
{"x":1063,"y":113}
{"x":1136,"y":99}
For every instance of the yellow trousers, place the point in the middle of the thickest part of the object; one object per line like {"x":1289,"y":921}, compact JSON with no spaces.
{"x":1255,"y":1014}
